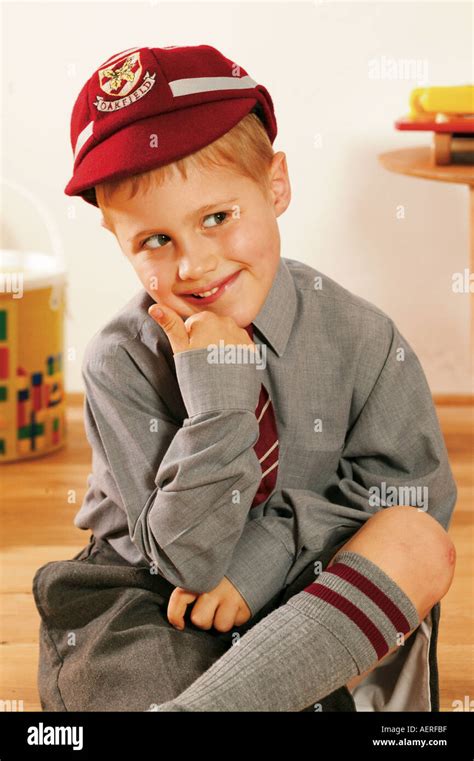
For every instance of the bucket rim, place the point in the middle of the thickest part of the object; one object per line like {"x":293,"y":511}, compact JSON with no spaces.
{"x":38,"y":269}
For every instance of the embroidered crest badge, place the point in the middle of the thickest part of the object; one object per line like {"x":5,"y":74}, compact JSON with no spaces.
{"x":121,"y":81}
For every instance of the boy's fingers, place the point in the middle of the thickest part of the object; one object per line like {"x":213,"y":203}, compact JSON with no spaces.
{"x":203,"y":611}
{"x":177,"y":604}
{"x":173,"y":326}
{"x":243,"y":615}
{"x":226,"y":617}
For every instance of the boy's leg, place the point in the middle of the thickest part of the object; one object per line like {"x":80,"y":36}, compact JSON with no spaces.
{"x":372,"y":541}
{"x":64,"y":684}
{"x":105,"y":640}
{"x":378,"y":588}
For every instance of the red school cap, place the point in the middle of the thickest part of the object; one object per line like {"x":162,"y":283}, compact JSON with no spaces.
{"x":147,"y":107}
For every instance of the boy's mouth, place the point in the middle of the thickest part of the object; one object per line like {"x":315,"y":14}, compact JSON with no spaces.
{"x":213,"y":294}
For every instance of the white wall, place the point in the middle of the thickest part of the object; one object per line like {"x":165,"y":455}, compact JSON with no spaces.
{"x":314,"y":59}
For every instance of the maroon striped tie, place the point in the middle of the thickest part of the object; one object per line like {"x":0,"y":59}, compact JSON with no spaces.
{"x":266,"y":446}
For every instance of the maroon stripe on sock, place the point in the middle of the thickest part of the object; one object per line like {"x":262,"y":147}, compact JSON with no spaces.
{"x":364,"y":623}
{"x":370,"y":589}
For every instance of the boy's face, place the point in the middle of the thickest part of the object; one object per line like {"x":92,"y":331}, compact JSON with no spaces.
{"x":176,"y":246}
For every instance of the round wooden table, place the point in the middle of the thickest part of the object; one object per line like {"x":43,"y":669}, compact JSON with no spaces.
{"x":419,"y":162}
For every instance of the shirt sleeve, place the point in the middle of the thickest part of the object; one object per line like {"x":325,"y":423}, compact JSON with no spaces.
{"x":395,"y":441}
{"x":186,"y":489}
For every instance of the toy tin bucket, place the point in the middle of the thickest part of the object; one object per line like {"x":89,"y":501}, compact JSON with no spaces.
{"x":32,"y":399}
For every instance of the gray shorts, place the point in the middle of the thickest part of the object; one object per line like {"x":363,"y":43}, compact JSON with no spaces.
{"x":105,"y":643}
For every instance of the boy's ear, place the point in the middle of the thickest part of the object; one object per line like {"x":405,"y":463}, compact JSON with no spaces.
{"x":280,"y":183}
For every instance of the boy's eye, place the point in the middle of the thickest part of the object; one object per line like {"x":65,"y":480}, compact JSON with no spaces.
{"x":220,"y":215}
{"x":157,"y":235}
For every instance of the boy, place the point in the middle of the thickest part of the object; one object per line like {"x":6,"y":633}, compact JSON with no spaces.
{"x":248,"y":484}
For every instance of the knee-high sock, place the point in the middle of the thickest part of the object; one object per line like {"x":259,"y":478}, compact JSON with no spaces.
{"x":339,"y":626}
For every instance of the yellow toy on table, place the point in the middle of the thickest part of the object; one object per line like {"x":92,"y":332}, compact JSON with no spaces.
{"x":430,"y":101}
{"x":448,"y":112}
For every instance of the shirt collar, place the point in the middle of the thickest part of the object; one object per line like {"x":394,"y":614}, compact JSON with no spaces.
{"x":275,"y":318}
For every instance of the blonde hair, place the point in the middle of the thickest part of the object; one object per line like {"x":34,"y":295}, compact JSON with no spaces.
{"x":246,"y":147}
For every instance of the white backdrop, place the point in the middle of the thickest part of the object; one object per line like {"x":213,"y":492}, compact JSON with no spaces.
{"x":317,"y":59}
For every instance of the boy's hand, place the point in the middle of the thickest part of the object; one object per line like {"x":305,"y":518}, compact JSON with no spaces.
{"x":199,"y":330}
{"x":223,"y":607}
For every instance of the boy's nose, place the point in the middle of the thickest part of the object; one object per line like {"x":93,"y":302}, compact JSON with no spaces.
{"x":196,"y":264}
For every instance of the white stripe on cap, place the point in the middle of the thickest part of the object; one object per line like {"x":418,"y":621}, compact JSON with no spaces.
{"x":209,"y":84}
{"x":83,"y":137}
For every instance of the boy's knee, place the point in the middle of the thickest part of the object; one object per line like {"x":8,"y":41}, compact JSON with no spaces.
{"x":412,"y":548}
{"x":426,"y":547}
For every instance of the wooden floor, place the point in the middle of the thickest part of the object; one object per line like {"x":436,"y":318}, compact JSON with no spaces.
{"x":36,"y":521}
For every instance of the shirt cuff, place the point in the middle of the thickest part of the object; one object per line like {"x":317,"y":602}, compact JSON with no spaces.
{"x":259,"y":565}
{"x":206,"y":386}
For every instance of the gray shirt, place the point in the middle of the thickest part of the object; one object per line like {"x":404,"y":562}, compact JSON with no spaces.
{"x":174,"y":470}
